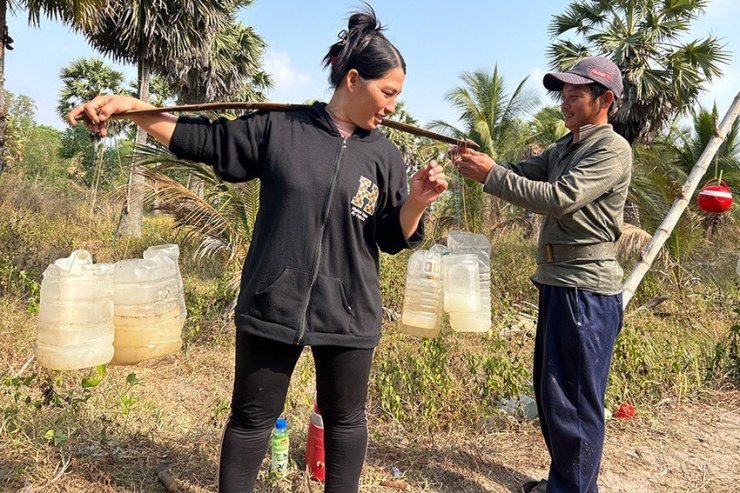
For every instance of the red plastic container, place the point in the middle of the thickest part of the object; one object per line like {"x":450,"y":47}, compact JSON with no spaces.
{"x":714,"y":198}
{"x":625,"y":411}
{"x":315,"y":445}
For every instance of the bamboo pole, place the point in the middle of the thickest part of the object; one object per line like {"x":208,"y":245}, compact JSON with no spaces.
{"x":679,"y":204}
{"x":249,"y":105}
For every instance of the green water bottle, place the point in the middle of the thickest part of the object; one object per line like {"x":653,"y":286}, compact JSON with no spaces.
{"x":280,"y":449}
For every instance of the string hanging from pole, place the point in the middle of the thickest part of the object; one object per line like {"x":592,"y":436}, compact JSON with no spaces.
{"x":460,"y":148}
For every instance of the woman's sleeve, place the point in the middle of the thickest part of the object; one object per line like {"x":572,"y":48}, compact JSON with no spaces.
{"x":389,"y":234}
{"x":233,"y":147}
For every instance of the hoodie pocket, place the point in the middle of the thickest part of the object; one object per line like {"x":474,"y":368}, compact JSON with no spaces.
{"x":283,"y":300}
{"x":329,"y":311}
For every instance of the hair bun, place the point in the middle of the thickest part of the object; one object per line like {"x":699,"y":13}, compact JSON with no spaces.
{"x":361,"y":22}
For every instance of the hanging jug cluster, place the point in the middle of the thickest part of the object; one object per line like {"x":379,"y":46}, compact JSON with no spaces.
{"x":455,"y":279}
{"x":122,"y":313}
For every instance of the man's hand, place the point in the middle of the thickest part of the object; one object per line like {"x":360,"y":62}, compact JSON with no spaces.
{"x":474,"y":165}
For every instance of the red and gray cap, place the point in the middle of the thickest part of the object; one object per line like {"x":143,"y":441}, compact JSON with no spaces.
{"x":587,"y":71}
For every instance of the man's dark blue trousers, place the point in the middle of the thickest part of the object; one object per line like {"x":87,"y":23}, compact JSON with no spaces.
{"x":576,"y":331}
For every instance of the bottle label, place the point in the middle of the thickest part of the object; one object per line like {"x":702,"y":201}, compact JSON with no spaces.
{"x":279,"y":462}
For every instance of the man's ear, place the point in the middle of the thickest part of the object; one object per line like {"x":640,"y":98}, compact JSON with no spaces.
{"x":607,"y":99}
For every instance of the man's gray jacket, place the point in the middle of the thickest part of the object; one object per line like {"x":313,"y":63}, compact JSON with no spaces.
{"x":580,"y":189}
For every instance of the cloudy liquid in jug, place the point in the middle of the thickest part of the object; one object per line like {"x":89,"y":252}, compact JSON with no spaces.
{"x":147,"y":311}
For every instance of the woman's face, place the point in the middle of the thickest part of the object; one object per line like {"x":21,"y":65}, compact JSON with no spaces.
{"x":372,"y":100}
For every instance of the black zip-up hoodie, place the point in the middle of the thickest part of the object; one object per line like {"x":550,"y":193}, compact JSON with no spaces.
{"x":327,"y":205}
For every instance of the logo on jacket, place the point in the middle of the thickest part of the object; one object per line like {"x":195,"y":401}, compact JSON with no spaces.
{"x":363,"y":204}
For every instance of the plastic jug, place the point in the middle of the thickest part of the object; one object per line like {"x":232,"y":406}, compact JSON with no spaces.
{"x":460,"y":274}
{"x":75,"y":325}
{"x":421,"y":314}
{"x":173,"y":252}
{"x":315,"y":446}
{"x":148,"y":308}
{"x":463,"y":242}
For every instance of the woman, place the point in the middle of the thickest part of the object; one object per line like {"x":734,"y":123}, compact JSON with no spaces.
{"x":333,"y":193}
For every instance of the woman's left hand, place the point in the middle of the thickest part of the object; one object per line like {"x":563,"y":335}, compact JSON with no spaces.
{"x":428,"y":184}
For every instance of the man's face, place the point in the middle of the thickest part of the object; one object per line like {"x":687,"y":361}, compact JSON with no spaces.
{"x":580,"y":108}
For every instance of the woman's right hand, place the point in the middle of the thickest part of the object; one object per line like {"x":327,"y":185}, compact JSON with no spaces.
{"x":96,"y":112}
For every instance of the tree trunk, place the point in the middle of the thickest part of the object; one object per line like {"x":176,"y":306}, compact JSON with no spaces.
{"x":3,"y":41}
{"x":132,"y":215}
{"x":680,"y":204}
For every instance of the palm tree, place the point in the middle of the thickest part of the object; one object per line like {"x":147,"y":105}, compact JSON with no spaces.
{"x":73,"y":12}
{"x":220,"y":222}
{"x":85,"y":78}
{"x":230,"y":71}
{"x":494,"y":119}
{"x":682,"y":147}
{"x":547,"y":126}
{"x":82,"y":80}
{"x":663,"y":74}
{"x":152,"y":34}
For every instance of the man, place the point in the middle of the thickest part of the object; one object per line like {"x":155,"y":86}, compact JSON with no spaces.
{"x":579,"y":184}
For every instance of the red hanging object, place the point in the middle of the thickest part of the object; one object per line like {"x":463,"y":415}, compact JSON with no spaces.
{"x":715,"y":198}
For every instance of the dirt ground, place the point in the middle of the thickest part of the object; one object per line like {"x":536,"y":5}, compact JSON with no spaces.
{"x":684,"y":447}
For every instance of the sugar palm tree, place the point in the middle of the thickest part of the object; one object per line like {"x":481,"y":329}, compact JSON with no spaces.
{"x":495,"y":120}
{"x":664,"y":75}
{"x":73,"y":12}
{"x":231,"y":71}
{"x":82,"y":80}
{"x":151,"y":34}
{"x":85,"y":78}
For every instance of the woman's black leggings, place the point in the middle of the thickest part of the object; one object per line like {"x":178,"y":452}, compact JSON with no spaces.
{"x":263,"y":370}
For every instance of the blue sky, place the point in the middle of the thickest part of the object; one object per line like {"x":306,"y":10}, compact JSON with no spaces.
{"x":438,"y":43}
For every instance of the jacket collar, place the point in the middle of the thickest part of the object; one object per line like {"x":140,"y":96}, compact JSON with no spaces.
{"x":586,"y":132}
{"x":322,"y":118}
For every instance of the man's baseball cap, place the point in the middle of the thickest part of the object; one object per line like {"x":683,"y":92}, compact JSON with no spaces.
{"x":587,"y":71}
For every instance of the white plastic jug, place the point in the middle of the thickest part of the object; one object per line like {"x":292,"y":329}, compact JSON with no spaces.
{"x":460,"y":274}
{"x":148,"y":308}
{"x":464,"y":242}
{"x":75,"y":327}
{"x":173,"y":252}
{"x":421,"y":315}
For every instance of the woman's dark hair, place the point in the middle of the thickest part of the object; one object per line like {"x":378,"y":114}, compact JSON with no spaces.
{"x":362,"y":47}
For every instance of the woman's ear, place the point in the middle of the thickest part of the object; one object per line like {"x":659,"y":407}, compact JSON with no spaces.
{"x":352,"y":78}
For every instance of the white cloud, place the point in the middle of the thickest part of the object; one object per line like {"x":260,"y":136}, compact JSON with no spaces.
{"x":285,"y":75}
{"x":290,"y":84}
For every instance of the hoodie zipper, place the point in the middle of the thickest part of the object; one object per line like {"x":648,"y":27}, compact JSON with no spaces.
{"x":319,"y":247}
